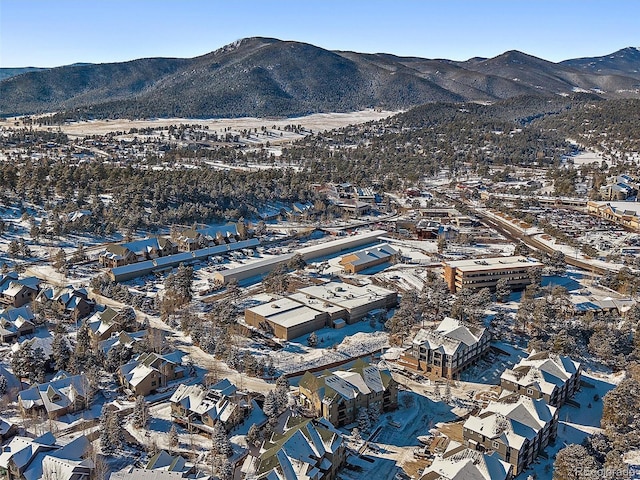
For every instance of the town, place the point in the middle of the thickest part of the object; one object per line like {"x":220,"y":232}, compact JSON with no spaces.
{"x":469,"y":322}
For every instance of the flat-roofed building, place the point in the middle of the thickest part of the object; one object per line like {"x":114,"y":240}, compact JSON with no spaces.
{"x":357,"y":301}
{"x":485,"y":272}
{"x":446,"y":351}
{"x":626,"y":214}
{"x":286,"y":317}
{"x":555,"y":378}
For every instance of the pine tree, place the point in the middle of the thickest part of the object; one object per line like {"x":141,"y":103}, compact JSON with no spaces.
{"x":107,"y":443}
{"x":21,"y":362}
{"x":283,"y":382}
{"x":39,"y":364}
{"x":270,"y":405}
{"x":312,"y":341}
{"x":364,"y":424}
{"x":3,"y":385}
{"x":60,"y":351}
{"x":220,"y":444}
{"x":355,"y":435}
{"x":173,"y":437}
{"x":140,"y":413}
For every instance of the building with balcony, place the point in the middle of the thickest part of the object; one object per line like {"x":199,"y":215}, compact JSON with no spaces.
{"x":485,"y":272}
{"x":339,"y":395}
{"x":554,"y":378}
{"x":517,"y":428}
{"x":446,"y":351}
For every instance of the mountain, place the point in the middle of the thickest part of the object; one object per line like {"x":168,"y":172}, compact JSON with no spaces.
{"x":269,"y":77}
{"x":12,"y":72}
{"x":623,"y":62}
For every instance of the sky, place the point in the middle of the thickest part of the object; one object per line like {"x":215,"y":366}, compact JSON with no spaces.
{"x":48,"y":33}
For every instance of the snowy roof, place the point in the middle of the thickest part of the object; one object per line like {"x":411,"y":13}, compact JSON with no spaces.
{"x":544,"y":371}
{"x":345,"y":295}
{"x":211,"y":402}
{"x":369,"y":254}
{"x":449,"y":337}
{"x":512,"y":421}
{"x":300,"y":451}
{"x":141,"y":474}
{"x":467,"y":464}
{"x":495,"y":263}
{"x":361,"y":379}
{"x":55,"y":395}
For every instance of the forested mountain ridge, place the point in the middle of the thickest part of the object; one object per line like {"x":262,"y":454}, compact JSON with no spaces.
{"x":269,"y":77}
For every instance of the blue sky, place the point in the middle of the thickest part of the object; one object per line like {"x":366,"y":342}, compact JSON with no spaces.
{"x":49,"y":33}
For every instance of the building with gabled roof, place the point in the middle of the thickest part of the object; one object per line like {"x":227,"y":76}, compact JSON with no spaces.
{"x":200,"y":407}
{"x":117,"y":255}
{"x":150,"y":371}
{"x":555,"y":378}
{"x":339,"y":395}
{"x":58,"y":397}
{"x":461,"y":463}
{"x":306,"y":450}
{"x":518,"y":428}
{"x":34,"y":459}
{"x":448,"y":350}
{"x":74,"y":302}
{"x":369,"y":257}
{"x":15,"y":291}
{"x":16,"y":322}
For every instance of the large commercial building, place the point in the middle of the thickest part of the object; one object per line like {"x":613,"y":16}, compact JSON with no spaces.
{"x":485,"y":272}
{"x":311,"y":308}
{"x":369,"y":257}
{"x":446,"y":351}
{"x":264,"y":266}
{"x":626,"y":214}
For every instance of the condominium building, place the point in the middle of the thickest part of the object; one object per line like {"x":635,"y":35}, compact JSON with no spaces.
{"x":448,"y":350}
{"x":554,"y":378}
{"x":517,"y":428}
{"x":338,"y":396}
{"x":485,"y":272}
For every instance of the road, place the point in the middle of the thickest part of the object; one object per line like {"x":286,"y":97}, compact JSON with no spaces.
{"x":199,"y":358}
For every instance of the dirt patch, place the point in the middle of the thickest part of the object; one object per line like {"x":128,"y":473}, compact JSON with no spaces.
{"x":453,"y":431}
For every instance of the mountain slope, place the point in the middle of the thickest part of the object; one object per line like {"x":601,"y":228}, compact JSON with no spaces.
{"x":623,"y":62}
{"x":266,"y":76}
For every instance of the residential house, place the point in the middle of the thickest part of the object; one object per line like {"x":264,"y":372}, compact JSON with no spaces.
{"x":7,"y":429}
{"x":199,"y":407}
{"x":64,"y":394}
{"x":448,"y":350}
{"x":163,"y":461}
{"x":518,"y":428}
{"x":75,"y":303}
{"x":150,"y":371}
{"x":461,"y":463}
{"x":16,"y":322}
{"x":126,"y":339}
{"x":555,"y":378}
{"x":44,"y":343}
{"x":31,"y":459}
{"x":339,"y":395}
{"x":16,"y":292}
{"x":107,"y":322}
{"x":307,"y":449}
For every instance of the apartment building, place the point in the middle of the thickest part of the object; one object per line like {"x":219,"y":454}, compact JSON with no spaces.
{"x":338,"y":396}
{"x":446,"y":351}
{"x":518,"y":428}
{"x":554,"y":378}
